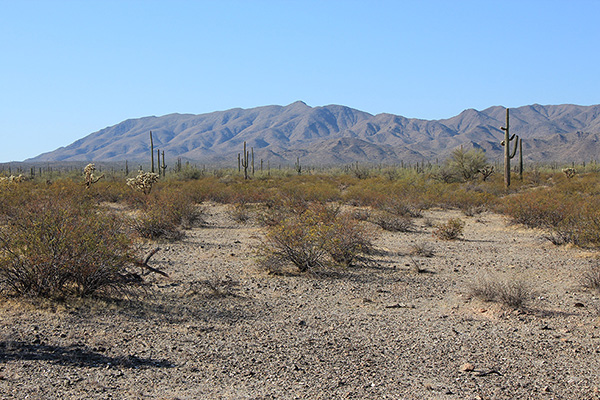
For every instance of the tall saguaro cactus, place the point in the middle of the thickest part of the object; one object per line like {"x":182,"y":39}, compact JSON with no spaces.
{"x":163,"y":167}
{"x":151,"y":152}
{"x":245,"y":161}
{"x":508,"y":155}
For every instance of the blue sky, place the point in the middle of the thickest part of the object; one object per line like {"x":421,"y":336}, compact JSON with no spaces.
{"x":70,"y":68}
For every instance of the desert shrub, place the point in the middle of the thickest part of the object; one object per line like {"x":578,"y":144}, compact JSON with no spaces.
{"x":347,"y":239}
{"x":422,"y":249}
{"x":298,"y":240}
{"x":110,"y":190}
{"x":392,"y":223}
{"x":319,"y":189}
{"x":591,"y":278}
{"x":56,"y":246}
{"x":165,"y":213}
{"x":566,"y":217}
{"x":466,"y":163}
{"x":401,"y":208}
{"x":239,"y":212}
{"x":361,"y":214}
{"x":536,"y":209}
{"x":469,"y":198}
{"x":511,"y":293}
{"x":317,"y":237}
{"x":450,"y":230}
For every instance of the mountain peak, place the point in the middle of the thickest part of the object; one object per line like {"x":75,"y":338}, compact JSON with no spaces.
{"x":298,"y":103}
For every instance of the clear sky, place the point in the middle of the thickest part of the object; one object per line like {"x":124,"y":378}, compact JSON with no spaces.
{"x":69,"y":68}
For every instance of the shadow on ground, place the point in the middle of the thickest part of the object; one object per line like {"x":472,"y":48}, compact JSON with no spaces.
{"x":73,"y":355}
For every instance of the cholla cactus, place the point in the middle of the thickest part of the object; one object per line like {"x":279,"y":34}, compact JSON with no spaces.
{"x":569,"y":172}
{"x":13,"y":179}
{"x":90,"y":179}
{"x":143,"y":181}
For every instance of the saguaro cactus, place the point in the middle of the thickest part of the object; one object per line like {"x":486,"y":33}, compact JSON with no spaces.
{"x":508,"y":155}
{"x":245,"y":161}
{"x":151,"y":153}
{"x":163,"y":166}
{"x":158,"y":161}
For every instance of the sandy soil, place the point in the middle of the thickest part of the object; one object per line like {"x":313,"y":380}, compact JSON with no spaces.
{"x":222,"y":328}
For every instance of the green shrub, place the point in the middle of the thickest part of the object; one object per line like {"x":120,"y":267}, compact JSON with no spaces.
{"x":60,"y":246}
{"x":466,"y":164}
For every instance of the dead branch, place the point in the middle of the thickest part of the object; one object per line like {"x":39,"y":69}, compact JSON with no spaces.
{"x":143,"y":263}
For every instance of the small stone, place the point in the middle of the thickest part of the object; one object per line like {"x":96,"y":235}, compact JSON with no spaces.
{"x":578,"y":305}
{"x":467,"y":367}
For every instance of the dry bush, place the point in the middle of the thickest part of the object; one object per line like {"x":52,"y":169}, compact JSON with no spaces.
{"x":513,"y":294}
{"x":591,"y":278}
{"x":239,"y":212}
{"x":361,"y":214}
{"x":57,"y":246}
{"x":402,"y":208}
{"x":393,"y":223}
{"x":422,"y":249}
{"x":536,"y":209}
{"x":299,"y":240}
{"x":450,"y":230}
{"x":315,"y":238}
{"x":347,"y":239}
{"x":567,"y":215}
{"x":164,"y":214}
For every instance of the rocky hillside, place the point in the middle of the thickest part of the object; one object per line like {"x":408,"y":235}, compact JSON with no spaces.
{"x":337,"y":134}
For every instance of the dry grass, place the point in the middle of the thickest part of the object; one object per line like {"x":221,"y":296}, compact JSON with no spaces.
{"x":511,"y":293}
{"x":422,"y":250}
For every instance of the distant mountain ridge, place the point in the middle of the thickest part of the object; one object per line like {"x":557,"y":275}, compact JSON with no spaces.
{"x":336,"y":134}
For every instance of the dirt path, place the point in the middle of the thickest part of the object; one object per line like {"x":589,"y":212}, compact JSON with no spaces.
{"x":221,"y":328}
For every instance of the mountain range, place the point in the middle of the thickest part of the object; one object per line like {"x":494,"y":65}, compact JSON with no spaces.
{"x":336,"y":134}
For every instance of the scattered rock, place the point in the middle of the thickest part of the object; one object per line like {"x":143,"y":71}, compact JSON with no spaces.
{"x":467,"y":367}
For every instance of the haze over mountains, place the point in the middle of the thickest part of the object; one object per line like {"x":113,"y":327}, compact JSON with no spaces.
{"x":337,"y":134}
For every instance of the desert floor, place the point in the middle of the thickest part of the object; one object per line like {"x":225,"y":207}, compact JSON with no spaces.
{"x":399,"y":327}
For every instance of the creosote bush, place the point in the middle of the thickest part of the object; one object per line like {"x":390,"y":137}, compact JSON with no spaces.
{"x":164,"y":213}
{"x":55,"y":247}
{"x":393,"y":223}
{"x":450,"y":230}
{"x":315,"y":238}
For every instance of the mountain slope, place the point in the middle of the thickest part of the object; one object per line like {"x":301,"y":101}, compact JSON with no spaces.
{"x":336,"y":134}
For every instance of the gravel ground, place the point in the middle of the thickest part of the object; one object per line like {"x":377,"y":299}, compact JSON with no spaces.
{"x":401,"y":327}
